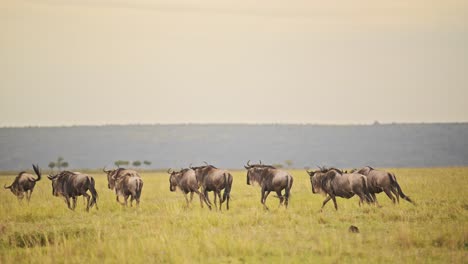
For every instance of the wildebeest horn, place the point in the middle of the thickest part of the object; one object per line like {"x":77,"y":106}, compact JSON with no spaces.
{"x":106,"y":171}
{"x":50,"y":177}
{"x":260,"y":162}
{"x":206,"y":163}
{"x":190,"y":166}
{"x":169,"y":170}
{"x":248,"y":165}
{"x":4,"y":186}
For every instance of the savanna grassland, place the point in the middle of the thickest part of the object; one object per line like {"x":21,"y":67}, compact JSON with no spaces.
{"x":163,"y":229}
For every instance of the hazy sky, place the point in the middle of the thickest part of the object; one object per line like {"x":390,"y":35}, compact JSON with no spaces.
{"x":65,"y":62}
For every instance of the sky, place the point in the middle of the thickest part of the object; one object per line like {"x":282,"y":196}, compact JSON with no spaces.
{"x":94,"y":62}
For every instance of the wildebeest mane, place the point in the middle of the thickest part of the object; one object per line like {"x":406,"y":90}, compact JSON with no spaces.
{"x":203,"y":167}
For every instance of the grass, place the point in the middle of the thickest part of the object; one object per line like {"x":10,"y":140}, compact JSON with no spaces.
{"x":164,"y":230}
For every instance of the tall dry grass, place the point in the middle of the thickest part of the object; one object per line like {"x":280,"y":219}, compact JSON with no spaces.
{"x":164,"y":230}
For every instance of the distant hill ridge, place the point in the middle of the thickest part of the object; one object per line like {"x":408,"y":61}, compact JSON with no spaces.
{"x":231,"y":145}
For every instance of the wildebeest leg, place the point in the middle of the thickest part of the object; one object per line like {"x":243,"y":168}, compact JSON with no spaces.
{"x":87,"y":197}
{"x":207,"y":199}
{"x":20,"y":197}
{"x":201,"y":197}
{"x":186,"y":199}
{"x":67,"y":200}
{"x":362,"y":198}
{"x":131,"y":200}
{"x":125,"y":199}
{"x":375,"y":199}
{"x":389,"y":194}
{"x":29,"y":196}
{"x":191,"y":196}
{"x":227,"y":202}
{"x":334,"y":201}
{"x":264,"y":197}
{"x":325,"y":202}
{"x":220,"y":200}
{"x":280,"y":197}
{"x":215,"y":204}
{"x":395,"y":192}
{"x":74,"y":202}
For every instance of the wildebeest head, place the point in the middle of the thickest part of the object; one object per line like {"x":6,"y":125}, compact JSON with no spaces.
{"x":55,"y":183}
{"x":321,"y":177}
{"x":316,"y":178}
{"x":313,"y":180}
{"x":110,"y":181}
{"x":13,"y":188}
{"x":172,"y":180}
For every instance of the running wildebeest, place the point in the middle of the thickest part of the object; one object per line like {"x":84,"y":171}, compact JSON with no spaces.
{"x":71,"y":185}
{"x":210,"y":178}
{"x":270,"y":179}
{"x":333,"y":182}
{"x":24,"y":183}
{"x":127,"y":183}
{"x":186,"y":181}
{"x":379,"y":180}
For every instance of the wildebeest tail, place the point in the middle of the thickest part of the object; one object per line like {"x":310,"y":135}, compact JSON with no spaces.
{"x":397,"y":186}
{"x":93,"y":191}
{"x":38,"y":172}
{"x":367,"y":194}
{"x":289,"y":183}
{"x":139,"y":188}
{"x":227,"y":188}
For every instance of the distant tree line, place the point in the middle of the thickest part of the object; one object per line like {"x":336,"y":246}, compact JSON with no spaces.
{"x":136,"y":163}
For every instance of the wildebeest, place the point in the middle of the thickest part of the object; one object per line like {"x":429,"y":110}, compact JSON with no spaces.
{"x":186,"y":181}
{"x":127,"y":183}
{"x":73,"y":184}
{"x":333,"y":182}
{"x":379,"y":180}
{"x":270,"y":179}
{"x":24,"y":183}
{"x":210,"y":178}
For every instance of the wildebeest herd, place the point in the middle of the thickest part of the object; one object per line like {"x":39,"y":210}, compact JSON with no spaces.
{"x":127,"y":183}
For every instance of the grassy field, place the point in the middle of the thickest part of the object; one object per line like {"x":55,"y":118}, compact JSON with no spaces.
{"x":164,"y":230}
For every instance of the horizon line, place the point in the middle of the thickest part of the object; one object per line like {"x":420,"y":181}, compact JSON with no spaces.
{"x":375,"y":123}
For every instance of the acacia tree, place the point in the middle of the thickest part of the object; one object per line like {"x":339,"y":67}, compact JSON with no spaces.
{"x":52,"y":165}
{"x":136,"y":163}
{"x":60,"y":163}
{"x":147,"y":163}
{"x":119,"y":163}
